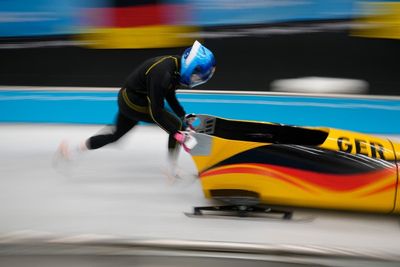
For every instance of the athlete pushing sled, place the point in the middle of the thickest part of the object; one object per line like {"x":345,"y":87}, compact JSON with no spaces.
{"x":142,"y":99}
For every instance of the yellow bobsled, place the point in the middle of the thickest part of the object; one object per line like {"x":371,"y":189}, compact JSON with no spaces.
{"x":245,"y":162}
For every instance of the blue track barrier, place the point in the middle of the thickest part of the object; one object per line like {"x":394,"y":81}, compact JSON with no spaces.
{"x":370,"y":115}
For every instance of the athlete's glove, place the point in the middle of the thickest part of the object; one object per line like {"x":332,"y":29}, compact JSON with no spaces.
{"x":188,"y":120}
{"x":186,"y":140}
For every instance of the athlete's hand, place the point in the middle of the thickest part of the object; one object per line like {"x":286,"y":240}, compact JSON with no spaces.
{"x":186,"y":140}
{"x":189,"y":119}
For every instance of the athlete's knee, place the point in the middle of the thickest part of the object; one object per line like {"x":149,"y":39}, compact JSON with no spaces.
{"x":114,"y":137}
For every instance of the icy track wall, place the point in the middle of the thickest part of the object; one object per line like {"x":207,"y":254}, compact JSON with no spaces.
{"x":377,"y":115}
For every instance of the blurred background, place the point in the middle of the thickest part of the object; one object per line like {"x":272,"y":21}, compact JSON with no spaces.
{"x":69,"y":46}
{"x":345,"y":46}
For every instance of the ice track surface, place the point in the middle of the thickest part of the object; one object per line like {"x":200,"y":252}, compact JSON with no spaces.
{"x":122,"y":191}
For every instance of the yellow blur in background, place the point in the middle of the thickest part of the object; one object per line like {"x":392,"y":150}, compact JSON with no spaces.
{"x":158,"y":36}
{"x":381,"y":20}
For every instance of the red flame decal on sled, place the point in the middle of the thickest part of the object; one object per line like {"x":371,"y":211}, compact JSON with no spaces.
{"x":334,"y":182}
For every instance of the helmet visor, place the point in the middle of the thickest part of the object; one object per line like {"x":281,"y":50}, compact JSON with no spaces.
{"x":199,"y":77}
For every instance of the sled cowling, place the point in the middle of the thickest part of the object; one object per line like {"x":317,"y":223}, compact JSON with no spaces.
{"x":296,"y":166}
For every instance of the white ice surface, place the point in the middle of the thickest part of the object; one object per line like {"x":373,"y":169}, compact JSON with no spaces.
{"x":122,"y":191}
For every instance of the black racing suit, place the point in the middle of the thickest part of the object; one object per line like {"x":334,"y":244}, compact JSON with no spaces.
{"x":142,"y":99}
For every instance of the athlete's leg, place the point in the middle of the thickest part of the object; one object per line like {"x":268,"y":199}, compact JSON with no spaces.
{"x":122,"y":126}
{"x":173,"y":171}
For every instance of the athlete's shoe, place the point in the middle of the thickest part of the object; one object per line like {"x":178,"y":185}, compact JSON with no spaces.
{"x":66,"y":154}
{"x":63,"y":151}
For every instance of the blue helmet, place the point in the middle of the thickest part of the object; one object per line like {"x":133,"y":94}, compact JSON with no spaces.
{"x":197,"y":65}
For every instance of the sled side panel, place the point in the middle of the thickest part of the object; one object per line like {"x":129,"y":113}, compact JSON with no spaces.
{"x":396,"y":147}
{"x":300,"y":176}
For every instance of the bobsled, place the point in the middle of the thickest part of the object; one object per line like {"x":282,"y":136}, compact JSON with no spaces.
{"x":250,"y":162}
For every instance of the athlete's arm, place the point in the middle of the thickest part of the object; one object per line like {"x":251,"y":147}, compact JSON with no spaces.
{"x":157,"y":85}
{"x":174,"y":103}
